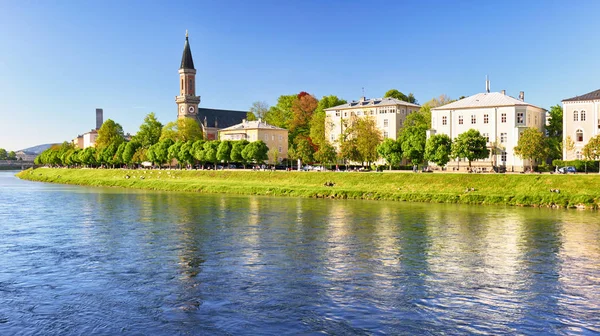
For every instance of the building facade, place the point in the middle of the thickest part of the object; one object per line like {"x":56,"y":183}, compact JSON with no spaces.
{"x":581,"y":122}
{"x":276,"y":138}
{"x":500,"y":118}
{"x":389,"y":115}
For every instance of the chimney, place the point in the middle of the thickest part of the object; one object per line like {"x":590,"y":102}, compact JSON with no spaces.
{"x":504,"y":92}
{"x":487,"y":84}
{"x":99,"y":118}
{"x":522,"y":96}
{"x":244,"y":121}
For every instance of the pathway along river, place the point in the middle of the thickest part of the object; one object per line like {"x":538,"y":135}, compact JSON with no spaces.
{"x":77,"y":260}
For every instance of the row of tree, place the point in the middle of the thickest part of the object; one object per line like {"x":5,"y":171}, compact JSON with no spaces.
{"x":183,"y":153}
{"x":4,"y":155}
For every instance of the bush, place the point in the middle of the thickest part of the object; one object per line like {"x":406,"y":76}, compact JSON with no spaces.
{"x":580,"y":165}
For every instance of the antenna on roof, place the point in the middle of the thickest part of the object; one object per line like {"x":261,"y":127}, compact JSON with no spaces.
{"x":487,"y":84}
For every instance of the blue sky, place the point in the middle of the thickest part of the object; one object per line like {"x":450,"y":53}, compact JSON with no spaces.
{"x":60,"y":60}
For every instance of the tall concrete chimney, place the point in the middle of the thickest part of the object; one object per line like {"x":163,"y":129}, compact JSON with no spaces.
{"x":487,"y":84}
{"x":522,"y":96}
{"x":99,"y":118}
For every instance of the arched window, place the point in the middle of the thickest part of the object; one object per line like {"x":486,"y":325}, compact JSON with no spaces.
{"x":182,"y":86}
{"x":579,"y":135}
{"x":575,"y":116}
{"x":582,"y":115}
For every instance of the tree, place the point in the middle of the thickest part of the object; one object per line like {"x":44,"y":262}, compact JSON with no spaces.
{"x":198,"y":151}
{"x":140,"y":155}
{"x":174,"y":151}
{"x":569,"y":144}
{"x":470,"y":145}
{"x":555,"y":124}
{"x":391,"y":151}
{"x":412,"y":140}
{"x":281,"y":114}
{"x":393,"y":93}
{"x":326,"y":154}
{"x":3,"y":154}
{"x":256,"y":151}
{"x":186,"y":153}
{"x":439,"y":101}
{"x":303,"y":150}
{"x":129,"y":152}
{"x":274,"y":155}
{"x":258,"y":109}
{"x":302,"y":108}
{"x":592,"y":149}
{"x":118,"y":158}
{"x":149,"y":132}
{"x":532,"y":145}
{"x":210,"y":152}
{"x":184,"y":129}
{"x":87,"y":156}
{"x":11,"y":155}
{"x":224,"y":151}
{"x":160,"y":151}
{"x":250,"y":116}
{"x":438,"y":149}
{"x":105,"y":155}
{"x":318,"y":122}
{"x":236,"y":152}
{"x":109,"y":133}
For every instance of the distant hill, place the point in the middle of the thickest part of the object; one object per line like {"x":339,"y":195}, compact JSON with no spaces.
{"x":36,"y":150}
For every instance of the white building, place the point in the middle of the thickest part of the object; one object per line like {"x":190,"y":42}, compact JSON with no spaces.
{"x":581,"y":122}
{"x":498,"y":117}
{"x":388,"y":113}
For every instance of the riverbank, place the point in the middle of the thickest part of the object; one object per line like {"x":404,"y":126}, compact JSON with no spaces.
{"x":575,"y":191}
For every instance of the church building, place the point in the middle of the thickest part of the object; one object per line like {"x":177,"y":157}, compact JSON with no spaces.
{"x":210,"y":120}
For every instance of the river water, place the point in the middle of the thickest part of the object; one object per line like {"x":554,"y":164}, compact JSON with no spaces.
{"x":82,"y":261}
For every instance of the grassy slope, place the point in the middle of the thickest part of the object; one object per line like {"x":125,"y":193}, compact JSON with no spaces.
{"x":523,"y":190}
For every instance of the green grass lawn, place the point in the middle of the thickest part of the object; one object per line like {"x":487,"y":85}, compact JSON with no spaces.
{"x":506,"y":189}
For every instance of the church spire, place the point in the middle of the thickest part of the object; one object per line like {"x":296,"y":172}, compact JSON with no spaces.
{"x":186,"y":59}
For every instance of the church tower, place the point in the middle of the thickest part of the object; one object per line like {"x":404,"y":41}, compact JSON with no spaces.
{"x":187,"y":101}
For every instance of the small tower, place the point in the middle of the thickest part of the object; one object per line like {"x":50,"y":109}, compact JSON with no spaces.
{"x":187,"y":101}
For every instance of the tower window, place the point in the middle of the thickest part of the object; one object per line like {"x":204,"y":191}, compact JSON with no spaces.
{"x":579,"y":135}
{"x":191,"y":87}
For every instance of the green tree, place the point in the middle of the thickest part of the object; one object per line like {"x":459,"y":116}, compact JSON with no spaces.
{"x":592,"y":149}
{"x":186,"y":153}
{"x":281,"y":114}
{"x":236,"y":152}
{"x":11,"y":155}
{"x":87,"y":157}
{"x":210,"y":152}
{"x":470,"y":145}
{"x":198,"y":151}
{"x":532,"y":145}
{"x":140,"y":155}
{"x":258,"y":110}
{"x":391,"y":151}
{"x":393,"y":93}
{"x":256,"y":151}
{"x":3,"y":154}
{"x":274,"y":155}
{"x":149,"y":132}
{"x":184,"y":129}
{"x":438,"y":149}
{"x":318,"y":122}
{"x":412,"y":140}
{"x":105,"y":155}
{"x":161,"y":151}
{"x":224,"y":151}
{"x":555,"y":124}
{"x":174,"y":151}
{"x":109,"y":133}
{"x":250,"y":116}
{"x":326,"y":154}
{"x":303,"y":150}
{"x":118,"y":158}
{"x":129,"y":151}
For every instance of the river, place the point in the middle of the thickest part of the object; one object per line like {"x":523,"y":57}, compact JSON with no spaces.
{"x":99,"y":261}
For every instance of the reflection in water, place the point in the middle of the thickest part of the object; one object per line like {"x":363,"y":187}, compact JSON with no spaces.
{"x":109,"y":261}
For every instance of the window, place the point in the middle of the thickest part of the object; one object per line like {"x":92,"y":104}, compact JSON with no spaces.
{"x":385,"y":123}
{"x":332,"y":138}
{"x":337,"y":113}
{"x":486,"y":118}
{"x":487,"y":137}
{"x":280,"y":150}
{"x":272,"y":138}
{"x":503,"y":116}
{"x":520,"y":118}
{"x":385,"y":134}
{"x":575,"y":116}
{"x":445,"y":120}
{"x":503,"y":156}
{"x":582,"y":116}
{"x":460,"y":120}
{"x":280,"y":138}
{"x":579,"y":135}
{"x":266,"y":137}
{"x":598,"y":123}
{"x":473,"y":119}
{"x":191,"y":88}
{"x":345,"y":114}
{"x":503,"y":137}
{"x":578,"y":155}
